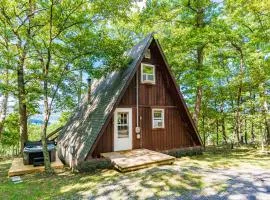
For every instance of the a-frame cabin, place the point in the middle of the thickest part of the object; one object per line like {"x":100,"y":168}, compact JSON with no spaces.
{"x":140,"y":106}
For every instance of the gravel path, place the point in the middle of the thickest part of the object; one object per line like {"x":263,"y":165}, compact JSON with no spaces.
{"x":187,"y":182}
{"x":239,"y":184}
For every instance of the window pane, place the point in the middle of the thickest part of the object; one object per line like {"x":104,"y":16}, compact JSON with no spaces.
{"x":122,"y":118}
{"x":157,"y":114}
{"x":150,"y":77}
{"x":158,"y":123}
{"x":148,"y":70}
{"x":144,"y":77}
{"x":123,"y":132}
{"x":122,"y":125}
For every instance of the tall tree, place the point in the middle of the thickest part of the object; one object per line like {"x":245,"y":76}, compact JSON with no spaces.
{"x":16,"y":18}
{"x":76,"y":33}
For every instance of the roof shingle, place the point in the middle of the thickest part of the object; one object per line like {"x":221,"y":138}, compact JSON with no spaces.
{"x":84,"y":126}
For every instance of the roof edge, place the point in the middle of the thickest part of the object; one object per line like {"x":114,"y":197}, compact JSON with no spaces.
{"x":151,"y":38}
{"x":179,"y":92}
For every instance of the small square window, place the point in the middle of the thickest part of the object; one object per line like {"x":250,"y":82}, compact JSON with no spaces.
{"x":147,"y":54}
{"x":158,"y":118}
{"x":148,"y":73}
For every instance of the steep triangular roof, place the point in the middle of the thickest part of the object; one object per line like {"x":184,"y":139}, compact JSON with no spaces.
{"x":82,"y":129}
{"x":88,"y":122}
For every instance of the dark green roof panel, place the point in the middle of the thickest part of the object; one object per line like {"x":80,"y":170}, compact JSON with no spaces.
{"x":84,"y":126}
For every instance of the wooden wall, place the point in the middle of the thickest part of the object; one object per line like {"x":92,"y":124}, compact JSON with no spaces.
{"x":176,"y":133}
{"x":105,"y":143}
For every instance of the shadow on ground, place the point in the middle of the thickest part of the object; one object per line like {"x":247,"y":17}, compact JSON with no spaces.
{"x":210,"y":176}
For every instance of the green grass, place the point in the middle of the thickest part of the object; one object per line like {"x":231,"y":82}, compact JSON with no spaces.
{"x":156,"y":182}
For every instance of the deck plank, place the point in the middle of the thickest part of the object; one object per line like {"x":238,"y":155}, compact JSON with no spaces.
{"x":136,"y":159}
{"x":18,"y":168}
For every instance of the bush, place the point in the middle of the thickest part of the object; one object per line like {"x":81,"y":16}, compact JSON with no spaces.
{"x":185,"y":152}
{"x":94,"y":164}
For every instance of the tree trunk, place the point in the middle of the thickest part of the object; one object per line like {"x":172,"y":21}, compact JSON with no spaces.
{"x":204,"y":136}
{"x":252,"y":122}
{"x":3,"y":113}
{"x":239,"y":94}
{"x":252,"y":132}
{"x":262,"y":137}
{"x":47,"y":163}
{"x":267,"y":126}
{"x":47,"y":108}
{"x":238,"y":117}
{"x":22,"y":101}
{"x":46,"y":155}
{"x":224,"y":130}
{"x":217,"y":124}
{"x":223,"y":127}
{"x":4,"y":103}
{"x":198,"y":102}
{"x":200,"y":24}
{"x":199,"y":92}
{"x":246,"y":139}
{"x":265,"y":111}
{"x":232,"y":139}
{"x":266,"y":121}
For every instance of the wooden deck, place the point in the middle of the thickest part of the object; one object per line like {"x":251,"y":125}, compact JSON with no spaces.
{"x":18,"y":168}
{"x":135,"y":159}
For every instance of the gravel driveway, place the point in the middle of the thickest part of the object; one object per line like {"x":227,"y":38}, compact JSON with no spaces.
{"x":238,"y":184}
{"x":184,"y":180}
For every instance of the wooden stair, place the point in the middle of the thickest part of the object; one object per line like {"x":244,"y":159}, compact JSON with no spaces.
{"x":131,"y":160}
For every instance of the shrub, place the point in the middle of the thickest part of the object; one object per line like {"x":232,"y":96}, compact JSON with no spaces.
{"x":185,"y":152}
{"x":94,"y":164}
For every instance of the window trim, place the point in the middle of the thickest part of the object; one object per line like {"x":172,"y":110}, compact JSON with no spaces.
{"x":162,"y":117}
{"x":154,"y":73}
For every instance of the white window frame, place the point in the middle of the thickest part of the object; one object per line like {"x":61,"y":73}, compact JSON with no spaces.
{"x":154,"y":73}
{"x":162,"y":118}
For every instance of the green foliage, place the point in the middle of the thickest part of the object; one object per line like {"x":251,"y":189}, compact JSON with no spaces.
{"x":56,"y":43}
{"x":221,"y":47}
{"x":34,"y":131}
{"x":10,"y":136}
{"x":186,"y":152}
{"x":95,"y":164}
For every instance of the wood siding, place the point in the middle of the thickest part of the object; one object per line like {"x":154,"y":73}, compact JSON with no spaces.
{"x":176,"y":133}
{"x":105,"y":143}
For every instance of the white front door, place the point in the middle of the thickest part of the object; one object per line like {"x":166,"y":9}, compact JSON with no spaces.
{"x":122,"y":129}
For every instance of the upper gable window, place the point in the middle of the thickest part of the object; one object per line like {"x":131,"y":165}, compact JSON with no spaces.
{"x":148,"y":73}
{"x":147,"y":54}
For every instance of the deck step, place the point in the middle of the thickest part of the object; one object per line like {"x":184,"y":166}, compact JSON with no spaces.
{"x":146,"y":165}
{"x":131,"y":160}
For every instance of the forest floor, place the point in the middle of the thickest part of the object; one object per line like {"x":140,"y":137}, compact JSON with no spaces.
{"x":238,"y":174}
